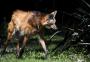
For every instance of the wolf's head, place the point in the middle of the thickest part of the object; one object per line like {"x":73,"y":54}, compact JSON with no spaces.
{"x":50,"y":20}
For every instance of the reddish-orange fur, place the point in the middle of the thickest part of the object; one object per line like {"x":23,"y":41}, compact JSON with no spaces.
{"x":27,"y":23}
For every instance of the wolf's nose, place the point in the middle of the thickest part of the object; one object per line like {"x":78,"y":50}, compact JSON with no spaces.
{"x":55,"y":28}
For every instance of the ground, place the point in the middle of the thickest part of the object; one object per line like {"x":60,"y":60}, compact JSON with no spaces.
{"x":35,"y":54}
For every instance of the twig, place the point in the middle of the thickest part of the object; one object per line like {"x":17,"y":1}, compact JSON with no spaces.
{"x":86,"y":3}
{"x":54,"y":34}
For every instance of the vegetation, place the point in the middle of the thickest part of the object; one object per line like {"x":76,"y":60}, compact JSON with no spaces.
{"x":35,"y":54}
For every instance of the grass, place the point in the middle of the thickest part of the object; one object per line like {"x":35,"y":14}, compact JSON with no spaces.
{"x":32,"y":56}
{"x":36,"y":53}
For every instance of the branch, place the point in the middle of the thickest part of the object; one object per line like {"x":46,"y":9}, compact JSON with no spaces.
{"x":86,"y":3}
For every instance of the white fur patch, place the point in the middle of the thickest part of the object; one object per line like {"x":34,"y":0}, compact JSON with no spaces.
{"x":22,"y":33}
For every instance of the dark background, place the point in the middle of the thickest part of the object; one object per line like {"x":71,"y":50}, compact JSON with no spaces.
{"x":8,"y":6}
{"x":63,"y":19}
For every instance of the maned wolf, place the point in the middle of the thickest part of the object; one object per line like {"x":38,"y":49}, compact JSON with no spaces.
{"x":24,"y":24}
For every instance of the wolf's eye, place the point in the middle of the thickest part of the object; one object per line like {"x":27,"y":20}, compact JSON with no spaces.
{"x":51,"y":16}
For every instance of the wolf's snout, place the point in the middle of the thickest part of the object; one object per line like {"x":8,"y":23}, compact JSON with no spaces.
{"x":54,"y":27}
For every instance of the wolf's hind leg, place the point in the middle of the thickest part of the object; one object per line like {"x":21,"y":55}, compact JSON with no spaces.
{"x":9,"y":37}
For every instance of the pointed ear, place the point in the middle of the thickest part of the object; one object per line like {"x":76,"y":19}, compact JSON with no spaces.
{"x":54,"y":13}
